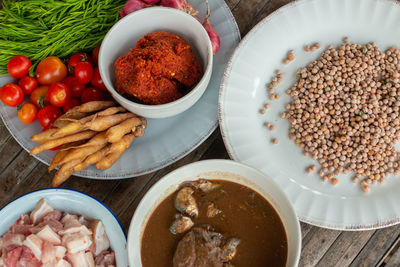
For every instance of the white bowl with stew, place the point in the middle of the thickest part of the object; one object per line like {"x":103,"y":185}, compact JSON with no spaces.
{"x":211,"y":170}
{"x":126,"y":32}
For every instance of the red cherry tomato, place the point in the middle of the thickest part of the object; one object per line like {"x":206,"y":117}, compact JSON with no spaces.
{"x":11,"y":94}
{"x":19,"y":66}
{"x":48,"y":115}
{"x":51,"y":127}
{"x":27,"y":113}
{"x":84,"y":72}
{"x":59,"y":94}
{"x":92,"y":94}
{"x":28,"y":84}
{"x":75,"y":86}
{"x":39,"y":97}
{"x":50,"y":70}
{"x":71,"y":104}
{"x":76,"y":58}
{"x":95,"y":55}
{"x":97,"y":81}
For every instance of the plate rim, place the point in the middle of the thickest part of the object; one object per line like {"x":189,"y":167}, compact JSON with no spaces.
{"x":172,"y":158}
{"x":378,"y":224}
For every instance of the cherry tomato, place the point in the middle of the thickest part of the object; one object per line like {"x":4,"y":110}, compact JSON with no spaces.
{"x":28,"y":84}
{"x":27,"y":113}
{"x":97,"y":81}
{"x":59,"y":94}
{"x":48,"y":115}
{"x":71,"y":104}
{"x":84,"y":72}
{"x":19,"y":66}
{"x":50,"y":70}
{"x":95,"y":55}
{"x":51,"y":127}
{"x":75,"y":86}
{"x":76,"y":58}
{"x":39,"y":97}
{"x":92,"y":94}
{"x":11,"y":94}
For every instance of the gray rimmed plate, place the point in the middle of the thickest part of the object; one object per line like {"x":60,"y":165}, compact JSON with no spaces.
{"x":166,"y":140}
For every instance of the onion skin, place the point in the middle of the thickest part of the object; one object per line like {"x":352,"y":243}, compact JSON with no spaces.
{"x":214,"y":37}
{"x":151,"y":2}
{"x":181,"y":5}
{"x":132,"y":6}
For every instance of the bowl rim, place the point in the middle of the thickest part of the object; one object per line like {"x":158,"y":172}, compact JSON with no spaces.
{"x":203,"y":164}
{"x":191,"y":93}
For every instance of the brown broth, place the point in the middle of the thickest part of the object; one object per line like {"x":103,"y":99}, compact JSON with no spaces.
{"x":245,"y":215}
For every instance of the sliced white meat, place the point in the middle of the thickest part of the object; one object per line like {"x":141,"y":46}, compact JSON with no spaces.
{"x":99,"y":237}
{"x":49,"y":264}
{"x":106,"y":258}
{"x":41,"y":209}
{"x":56,"y":226}
{"x":52,"y":215}
{"x":34,"y":243}
{"x":76,"y":242}
{"x":24,"y":229}
{"x":11,"y":241}
{"x":24,"y":219}
{"x":67,"y":217}
{"x":90,"y":259}
{"x":83,"y":221}
{"x":22,"y":225}
{"x":46,"y":233}
{"x":71,"y":223}
{"x":48,"y":252}
{"x":12,"y":257}
{"x":78,"y":259}
{"x":62,"y":263}
{"x":76,"y":229}
{"x":60,"y":252}
{"x":28,"y":259}
{"x":2,"y":264}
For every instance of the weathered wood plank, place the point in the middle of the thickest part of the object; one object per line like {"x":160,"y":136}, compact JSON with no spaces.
{"x":231,"y":3}
{"x":345,"y":248}
{"x":8,"y":153}
{"x":305,"y":229}
{"x":315,"y":244}
{"x":394,"y":260}
{"x":244,"y":13}
{"x":377,"y":246}
{"x":16,"y":172}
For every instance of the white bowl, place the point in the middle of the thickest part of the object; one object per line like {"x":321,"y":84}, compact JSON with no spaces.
{"x":75,"y":203}
{"x":220,"y":170}
{"x":125,"y":33}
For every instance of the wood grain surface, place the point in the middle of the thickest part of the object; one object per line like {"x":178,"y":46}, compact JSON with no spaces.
{"x":21,"y":173}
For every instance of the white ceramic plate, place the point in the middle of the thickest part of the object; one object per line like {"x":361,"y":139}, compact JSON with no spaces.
{"x":216,"y":170}
{"x":166,"y":140}
{"x":75,"y":203}
{"x":243,"y":93}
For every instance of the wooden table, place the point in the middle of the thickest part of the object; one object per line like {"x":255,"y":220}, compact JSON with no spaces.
{"x":21,"y":174}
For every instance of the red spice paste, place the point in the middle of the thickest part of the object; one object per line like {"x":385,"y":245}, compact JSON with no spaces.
{"x":161,"y":69}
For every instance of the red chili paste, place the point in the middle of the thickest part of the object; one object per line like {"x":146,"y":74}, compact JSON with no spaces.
{"x":161,"y":69}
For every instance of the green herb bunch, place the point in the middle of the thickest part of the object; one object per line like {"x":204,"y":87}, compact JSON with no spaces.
{"x":41,"y":28}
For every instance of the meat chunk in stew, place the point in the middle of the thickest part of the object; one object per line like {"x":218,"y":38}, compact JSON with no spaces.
{"x":186,"y":203}
{"x":204,"y":248}
{"x":181,"y":224}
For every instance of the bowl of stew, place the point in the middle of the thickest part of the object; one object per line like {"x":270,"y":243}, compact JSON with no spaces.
{"x":214,"y":213}
{"x":159,"y":69}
